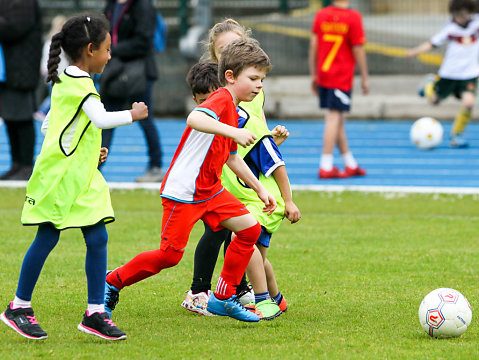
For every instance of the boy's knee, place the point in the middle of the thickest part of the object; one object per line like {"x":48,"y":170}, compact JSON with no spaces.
{"x":249,"y":235}
{"x":168,"y":257}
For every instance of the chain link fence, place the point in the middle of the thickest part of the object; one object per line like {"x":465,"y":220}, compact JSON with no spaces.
{"x":283,"y":28}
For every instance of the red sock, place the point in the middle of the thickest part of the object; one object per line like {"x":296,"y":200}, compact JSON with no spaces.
{"x":144,"y":265}
{"x":237,"y":258}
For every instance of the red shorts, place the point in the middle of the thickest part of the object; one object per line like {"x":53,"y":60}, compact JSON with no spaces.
{"x":179,"y":218}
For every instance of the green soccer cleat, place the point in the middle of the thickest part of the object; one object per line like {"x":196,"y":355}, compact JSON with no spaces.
{"x":267,"y":309}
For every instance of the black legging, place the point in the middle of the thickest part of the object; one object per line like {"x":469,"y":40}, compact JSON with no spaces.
{"x":21,"y":135}
{"x":206,"y":255}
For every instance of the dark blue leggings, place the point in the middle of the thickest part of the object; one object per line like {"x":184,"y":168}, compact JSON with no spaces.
{"x":96,"y":239}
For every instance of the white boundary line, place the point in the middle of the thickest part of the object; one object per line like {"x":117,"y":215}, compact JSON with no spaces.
{"x":325,"y":188}
{"x":388,"y":189}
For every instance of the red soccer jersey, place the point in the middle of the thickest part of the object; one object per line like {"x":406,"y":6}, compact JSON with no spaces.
{"x":194,"y":173}
{"x":337,"y":31}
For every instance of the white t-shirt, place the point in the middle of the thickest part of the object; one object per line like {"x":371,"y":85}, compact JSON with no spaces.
{"x":461,"y":60}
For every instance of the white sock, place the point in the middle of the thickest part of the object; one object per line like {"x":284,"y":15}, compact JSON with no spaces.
{"x":349,"y":160}
{"x":326,"y":162}
{"x":93,"y":308}
{"x":20,"y":303}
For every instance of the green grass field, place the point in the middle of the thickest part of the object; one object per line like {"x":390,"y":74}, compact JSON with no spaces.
{"x":354,"y":271}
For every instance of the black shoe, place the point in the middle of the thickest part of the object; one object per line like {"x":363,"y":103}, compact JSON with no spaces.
{"x":6,"y":176}
{"x":23,"y":321}
{"x":99,"y":324}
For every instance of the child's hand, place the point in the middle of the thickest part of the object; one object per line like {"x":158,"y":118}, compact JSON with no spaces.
{"x":269,"y":202}
{"x":314,"y":85}
{"x":365,"y":86}
{"x":103,"y":155}
{"x":244,"y":137}
{"x":291,"y":212}
{"x":139,"y":111}
{"x":279,"y":133}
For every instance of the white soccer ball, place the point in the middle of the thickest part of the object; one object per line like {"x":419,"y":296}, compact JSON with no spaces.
{"x":445,"y":313}
{"x":426,"y":133}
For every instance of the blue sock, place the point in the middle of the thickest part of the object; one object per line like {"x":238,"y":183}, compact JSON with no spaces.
{"x":45,"y":240}
{"x":96,"y":239}
{"x":261,"y":296}
{"x":278,"y":298}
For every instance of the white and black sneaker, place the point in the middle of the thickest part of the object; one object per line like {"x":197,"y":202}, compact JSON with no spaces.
{"x":23,"y":321}
{"x":100,"y":324}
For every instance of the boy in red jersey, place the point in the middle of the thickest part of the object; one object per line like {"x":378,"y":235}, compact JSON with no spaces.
{"x":335,"y":47}
{"x":192,"y":188}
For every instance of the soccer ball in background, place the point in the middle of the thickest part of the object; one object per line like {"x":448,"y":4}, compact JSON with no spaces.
{"x":426,"y":133}
{"x":445,"y":313}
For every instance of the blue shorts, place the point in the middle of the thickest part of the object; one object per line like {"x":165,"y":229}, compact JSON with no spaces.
{"x":334,"y":99}
{"x":264,"y":238}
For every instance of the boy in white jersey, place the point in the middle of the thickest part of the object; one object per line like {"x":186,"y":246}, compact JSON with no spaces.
{"x":460,"y":67}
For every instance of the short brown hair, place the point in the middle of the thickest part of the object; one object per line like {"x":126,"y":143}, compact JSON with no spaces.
{"x":203,"y":78}
{"x":240,"y":54}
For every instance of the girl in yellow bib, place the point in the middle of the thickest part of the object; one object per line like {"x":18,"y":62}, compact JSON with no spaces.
{"x":66,"y":190}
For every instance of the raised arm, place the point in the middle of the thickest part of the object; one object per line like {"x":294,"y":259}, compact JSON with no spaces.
{"x":422,"y":48}
{"x":200,"y":121}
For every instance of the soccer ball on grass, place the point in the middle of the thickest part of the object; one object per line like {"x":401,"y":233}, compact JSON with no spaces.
{"x":445,"y":313}
{"x":426,"y":133}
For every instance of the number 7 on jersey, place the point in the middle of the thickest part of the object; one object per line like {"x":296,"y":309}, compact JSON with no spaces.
{"x":337,"y":40}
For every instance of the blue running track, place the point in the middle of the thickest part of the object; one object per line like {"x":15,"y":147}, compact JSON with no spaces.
{"x":381,"y":147}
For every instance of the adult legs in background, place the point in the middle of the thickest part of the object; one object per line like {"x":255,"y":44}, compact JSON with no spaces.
{"x":21,"y":135}
{"x":153,"y":172}
{"x":151,"y":136}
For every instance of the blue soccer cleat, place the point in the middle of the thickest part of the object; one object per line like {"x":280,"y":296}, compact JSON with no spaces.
{"x":230,"y":307}
{"x":112,"y":295}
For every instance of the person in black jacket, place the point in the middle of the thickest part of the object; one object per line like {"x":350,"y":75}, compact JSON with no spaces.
{"x":21,"y":39}
{"x":133,"y":25}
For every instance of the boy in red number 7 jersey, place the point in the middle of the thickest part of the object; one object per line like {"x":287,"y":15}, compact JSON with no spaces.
{"x":335,"y":48}
{"x":192,"y":188}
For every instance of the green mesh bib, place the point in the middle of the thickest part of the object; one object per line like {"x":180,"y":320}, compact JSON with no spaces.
{"x":66,"y":187}
{"x":253,"y":112}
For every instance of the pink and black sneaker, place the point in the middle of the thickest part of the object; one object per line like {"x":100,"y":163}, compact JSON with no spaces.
{"x":100,"y":324}
{"x":23,"y":321}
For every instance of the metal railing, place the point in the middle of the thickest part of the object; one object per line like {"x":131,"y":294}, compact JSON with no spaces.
{"x":284,"y":27}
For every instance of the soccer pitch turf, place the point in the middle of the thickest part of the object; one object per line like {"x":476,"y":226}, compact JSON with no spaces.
{"x":353,"y":270}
